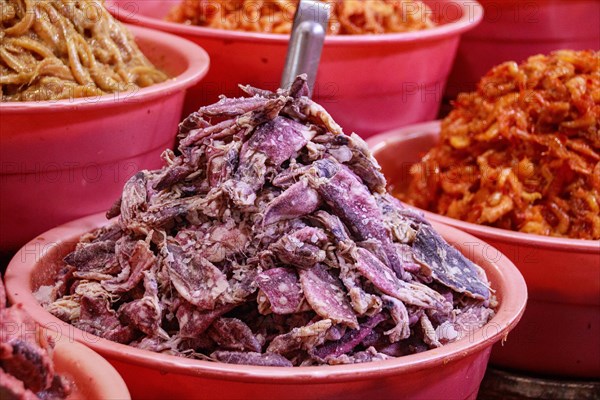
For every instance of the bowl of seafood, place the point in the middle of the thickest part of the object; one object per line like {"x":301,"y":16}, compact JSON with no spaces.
{"x":515,"y":30}
{"x":82,"y":114}
{"x":384,"y":63}
{"x":39,"y":363}
{"x":532,"y":192}
{"x":265,"y":254}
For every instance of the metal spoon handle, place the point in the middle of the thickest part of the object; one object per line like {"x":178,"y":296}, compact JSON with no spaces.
{"x":306,"y":42}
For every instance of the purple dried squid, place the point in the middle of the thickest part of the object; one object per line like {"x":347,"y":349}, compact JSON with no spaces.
{"x":268,"y":238}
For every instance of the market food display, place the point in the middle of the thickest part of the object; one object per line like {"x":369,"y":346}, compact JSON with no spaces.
{"x":59,"y":49}
{"x":348,"y":17}
{"x":268,"y":240}
{"x":522,"y":152}
{"x":26,"y":366}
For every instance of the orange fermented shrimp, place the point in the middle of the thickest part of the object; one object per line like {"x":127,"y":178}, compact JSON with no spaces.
{"x":349,"y":17}
{"x":529,"y":137}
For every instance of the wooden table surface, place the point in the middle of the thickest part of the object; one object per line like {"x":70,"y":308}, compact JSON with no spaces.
{"x":503,"y":385}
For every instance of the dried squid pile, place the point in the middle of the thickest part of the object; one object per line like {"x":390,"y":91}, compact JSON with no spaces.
{"x":269,"y":239}
{"x":27,"y":370}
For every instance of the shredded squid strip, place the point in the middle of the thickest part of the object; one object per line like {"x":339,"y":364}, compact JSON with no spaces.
{"x":57,"y":49}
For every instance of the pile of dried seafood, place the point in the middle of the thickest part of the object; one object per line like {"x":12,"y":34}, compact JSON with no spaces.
{"x":269,"y":240}
{"x":26,"y":367}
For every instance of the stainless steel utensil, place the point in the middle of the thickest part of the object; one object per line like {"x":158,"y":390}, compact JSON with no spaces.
{"x":306,"y":42}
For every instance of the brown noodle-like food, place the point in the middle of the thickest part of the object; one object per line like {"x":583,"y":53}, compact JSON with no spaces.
{"x":348,"y":17}
{"x":57,"y":49}
{"x":522,"y":152}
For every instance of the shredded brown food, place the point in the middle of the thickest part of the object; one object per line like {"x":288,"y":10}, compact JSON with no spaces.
{"x":522,"y":152}
{"x":58,"y":49}
{"x":348,"y":17}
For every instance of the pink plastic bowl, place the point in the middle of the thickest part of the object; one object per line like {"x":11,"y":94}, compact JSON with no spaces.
{"x":560,"y":332}
{"x":513,"y":30}
{"x":453,"y":371}
{"x":64,"y":159}
{"x":93,"y":378}
{"x":369,"y":83}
